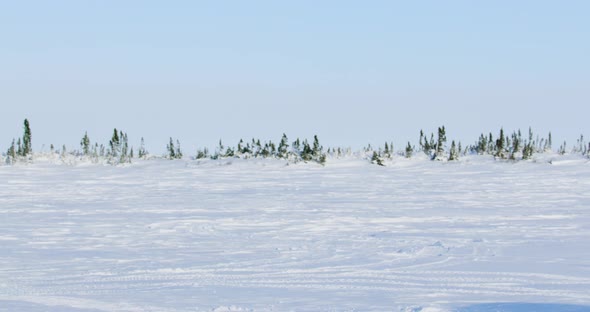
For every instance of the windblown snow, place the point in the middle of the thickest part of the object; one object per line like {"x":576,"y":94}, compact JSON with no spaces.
{"x":261,"y":235}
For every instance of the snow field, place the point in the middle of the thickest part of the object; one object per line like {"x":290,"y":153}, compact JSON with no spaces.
{"x":260,"y":235}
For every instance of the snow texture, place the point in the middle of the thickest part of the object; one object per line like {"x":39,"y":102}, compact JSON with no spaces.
{"x":260,"y":235}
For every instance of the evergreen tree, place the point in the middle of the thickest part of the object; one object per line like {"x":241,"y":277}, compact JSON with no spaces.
{"x":296,"y":147}
{"x":19,"y":148}
{"x":283,"y":149}
{"x":85,"y":144}
{"x":204,"y":153}
{"x":27,"y":146}
{"x":307,"y":152}
{"x":529,"y":146}
{"x":409,"y":150}
{"x":171,"y":150}
{"x":114,"y":143}
{"x":500,"y":145}
{"x":178,"y":152}
{"x":142,"y":153}
{"x":482,"y":145}
{"x":440,"y":145}
{"x":316,"y":146}
{"x":562,"y":148}
{"x":453,"y":155}
{"x":422,"y":147}
{"x":124,"y":145}
{"x":11,"y":154}
{"x":375,"y":159}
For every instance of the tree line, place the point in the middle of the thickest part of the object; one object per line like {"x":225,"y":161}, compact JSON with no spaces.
{"x":514,"y":146}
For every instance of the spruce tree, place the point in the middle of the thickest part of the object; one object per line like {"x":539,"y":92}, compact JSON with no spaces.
{"x":409,"y":150}
{"x":178,"y":152}
{"x":27,"y":146}
{"x":306,"y":153}
{"x":422,"y":147}
{"x":453,"y":155}
{"x":283,"y":149}
{"x":316,"y":146}
{"x":440,"y":145}
{"x":114,"y":143}
{"x":500,"y":145}
{"x":19,"y":148}
{"x":85,"y":144}
{"x":141,"y":153}
{"x":171,"y":149}
{"x":375,"y":159}
{"x":11,"y":154}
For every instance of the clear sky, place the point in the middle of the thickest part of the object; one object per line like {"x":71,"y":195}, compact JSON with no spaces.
{"x":353,"y":72}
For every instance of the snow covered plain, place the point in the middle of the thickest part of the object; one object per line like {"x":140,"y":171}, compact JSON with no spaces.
{"x":260,"y":235}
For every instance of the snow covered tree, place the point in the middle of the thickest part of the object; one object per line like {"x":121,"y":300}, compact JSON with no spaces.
{"x":142,"y":153}
{"x":453,"y":154}
{"x":174,"y":152}
{"x":283,"y":149}
{"x":409,"y":150}
{"x":178,"y":152}
{"x":500,"y":145}
{"x":375,"y":159}
{"x":562,"y":148}
{"x":529,"y":146}
{"x":440,"y":144}
{"x":422,"y":147}
{"x":307,"y":152}
{"x":204,"y":153}
{"x":115,"y":144}
{"x":11,"y":154}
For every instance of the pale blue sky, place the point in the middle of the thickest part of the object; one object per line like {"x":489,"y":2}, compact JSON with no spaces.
{"x":354,"y":72}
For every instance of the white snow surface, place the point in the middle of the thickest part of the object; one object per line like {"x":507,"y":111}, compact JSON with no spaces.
{"x":261,"y":235}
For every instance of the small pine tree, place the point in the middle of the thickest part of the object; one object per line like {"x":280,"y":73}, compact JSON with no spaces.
{"x":307,"y":152}
{"x":283,"y":149}
{"x":85,"y":144}
{"x":142,"y":153}
{"x":316,"y":146}
{"x":442,"y":139}
{"x":171,"y":150}
{"x":375,"y":159}
{"x":562,"y":148}
{"x":500,"y":145}
{"x":422,"y":147}
{"x":409,"y":150}
{"x":453,"y":154}
{"x":19,"y":148}
{"x":114,"y":143}
{"x":204,"y":153}
{"x":11,"y":154}
{"x":178,"y":152}
{"x":27,"y":145}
